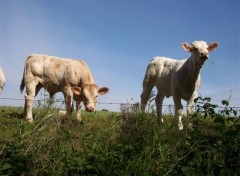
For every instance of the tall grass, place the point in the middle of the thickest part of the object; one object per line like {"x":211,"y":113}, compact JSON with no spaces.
{"x":115,"y":144}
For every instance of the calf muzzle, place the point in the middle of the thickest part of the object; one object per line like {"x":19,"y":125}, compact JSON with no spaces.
{"x":204,"y":55}
{"x":90,"y":109}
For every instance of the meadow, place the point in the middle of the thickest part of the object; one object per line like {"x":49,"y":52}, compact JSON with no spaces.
{"x":115,"y":143}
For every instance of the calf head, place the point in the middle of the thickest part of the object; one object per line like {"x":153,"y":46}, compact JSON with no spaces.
{"x":199,"y":50}
{"x":88,"y":94}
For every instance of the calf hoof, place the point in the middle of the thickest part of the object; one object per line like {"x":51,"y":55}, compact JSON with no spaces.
{"x":30,"y":120}
{"x":160,"y":120}
{"x":80,"y":122}
{"x":180,"y":126}
{"x":66,"y":121}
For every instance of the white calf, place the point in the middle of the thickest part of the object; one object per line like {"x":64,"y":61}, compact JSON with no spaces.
{"x":177,"y":78}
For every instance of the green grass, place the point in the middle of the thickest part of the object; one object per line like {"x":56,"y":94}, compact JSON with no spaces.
{"x":108,"y":143}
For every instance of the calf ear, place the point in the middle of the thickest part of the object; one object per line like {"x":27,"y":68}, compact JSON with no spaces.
{"x":187,"y":47}
{"x":103,"y":90}
{"x":212,"y":46}
{"x":76,"y":90}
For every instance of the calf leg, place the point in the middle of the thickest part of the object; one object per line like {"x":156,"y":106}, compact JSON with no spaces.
{"x":159,"y":102}
{"x":29,"y":97}
{"x":190,"y":104}
{"x":68,"y":95}
{"x":78,"y":105}
{"x":68,"y":101}
{"x":189,"y":111}
{"x":189,"y":108}
{"x":28,"y":107}
{"x":178,"y":111}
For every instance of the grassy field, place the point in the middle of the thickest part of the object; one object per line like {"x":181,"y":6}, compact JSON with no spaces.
{"x":110,"y":143}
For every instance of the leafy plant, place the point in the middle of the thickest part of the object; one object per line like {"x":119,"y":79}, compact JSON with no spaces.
{"x":228,"y":111}
{"x":205,"y":107}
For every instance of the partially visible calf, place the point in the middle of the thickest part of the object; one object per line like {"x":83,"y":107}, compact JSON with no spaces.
{"x":2,"y":80}
{"x":177,"y":78}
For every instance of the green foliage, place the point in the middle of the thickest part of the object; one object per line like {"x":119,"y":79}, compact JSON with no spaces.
{"x":110,"y":144}
{"x":205,"y":107}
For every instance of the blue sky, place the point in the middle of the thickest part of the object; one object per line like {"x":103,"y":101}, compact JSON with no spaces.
{"x":118,"y":39}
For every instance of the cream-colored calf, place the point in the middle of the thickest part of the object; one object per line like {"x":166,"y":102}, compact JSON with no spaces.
{"x":71,"y":77}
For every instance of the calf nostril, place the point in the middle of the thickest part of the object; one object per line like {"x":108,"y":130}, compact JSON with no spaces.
{"x":203,"y":54}
{"x":91,"y":109}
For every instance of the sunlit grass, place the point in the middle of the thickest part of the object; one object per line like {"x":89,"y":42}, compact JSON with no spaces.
{"x":109,"y":143}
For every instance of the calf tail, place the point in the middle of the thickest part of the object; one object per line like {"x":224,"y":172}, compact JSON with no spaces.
{"x":23,"y":78}
{"x":148,"y":84}
{"x":22,"y":85}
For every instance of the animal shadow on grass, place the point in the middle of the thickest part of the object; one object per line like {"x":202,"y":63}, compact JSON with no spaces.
{"x":16,"y":114}
{"x":65,"y":121}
